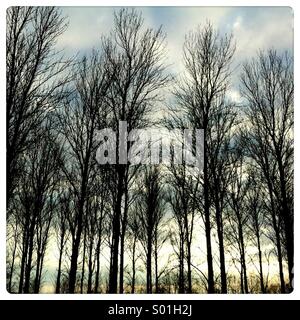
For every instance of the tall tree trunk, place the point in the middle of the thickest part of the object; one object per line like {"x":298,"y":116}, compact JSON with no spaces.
{"x":122,"y":243}
{"x":133,"y":265}
{"x":37,"y":273}
{"x":210,"y":270}
{"x":73,"y":267}
{"x":189,"y":266}
{"x":280,"y":264}
{"x":83,"y":262}
{"x":75,"y":251}
{"x":58,"y":277}
{"x":277,"y":233}
{"x":242,"y":278}
{"x":188,"y":247}
{"x":243,"y":258}
{"x":211,"y":283}
{"x":97,"y":275}
{"x":90,"y":267}
{"x":181,"y":264}
{"x":288,"y":222}
{"x":149,"y":264}
{"x":221,"y":246}
{"x":77,"y":237}
{"x":12,"y":266}
{"x":29,"y":258}
{"x":244,"y":267}
{"x":261,"y":274}
{"x":23,"y":260}
{"x":156,"y":261}
{"x":113,"y":274}
{"x":61,"y":250}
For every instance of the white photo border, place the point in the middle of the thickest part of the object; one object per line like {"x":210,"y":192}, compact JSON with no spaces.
{"x":4,"y":295}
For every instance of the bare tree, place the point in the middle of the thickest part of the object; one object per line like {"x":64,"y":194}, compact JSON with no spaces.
{"x":136,"y":54}
{"x":267,"y":85}
{"x":79,"y":120}
{"x":256,"y":209}
{"x":183,"y":193}
{"x":238,"y":217}
{"x":150,"y":214}
{"x":13,"y":237}
{"x":207,"y":58}
{"x":61,"y":228}
{"x":35,"y":196}
{"x":133,"y":237}
{"x":36,"y":77}
{"x":102,"y":195}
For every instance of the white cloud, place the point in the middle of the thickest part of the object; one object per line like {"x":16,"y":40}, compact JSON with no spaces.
{"x":267,"y":28}
{"x":253,"y":28}
{"x":237,"y":24}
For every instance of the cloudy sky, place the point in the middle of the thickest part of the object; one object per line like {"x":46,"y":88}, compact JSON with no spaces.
{"x":253,"y":28}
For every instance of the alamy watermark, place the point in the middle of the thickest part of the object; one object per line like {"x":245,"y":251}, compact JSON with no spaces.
{"x":150,"y":146}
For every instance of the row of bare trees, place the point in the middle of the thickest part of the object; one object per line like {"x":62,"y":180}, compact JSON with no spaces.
{"x":80,"y":226}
